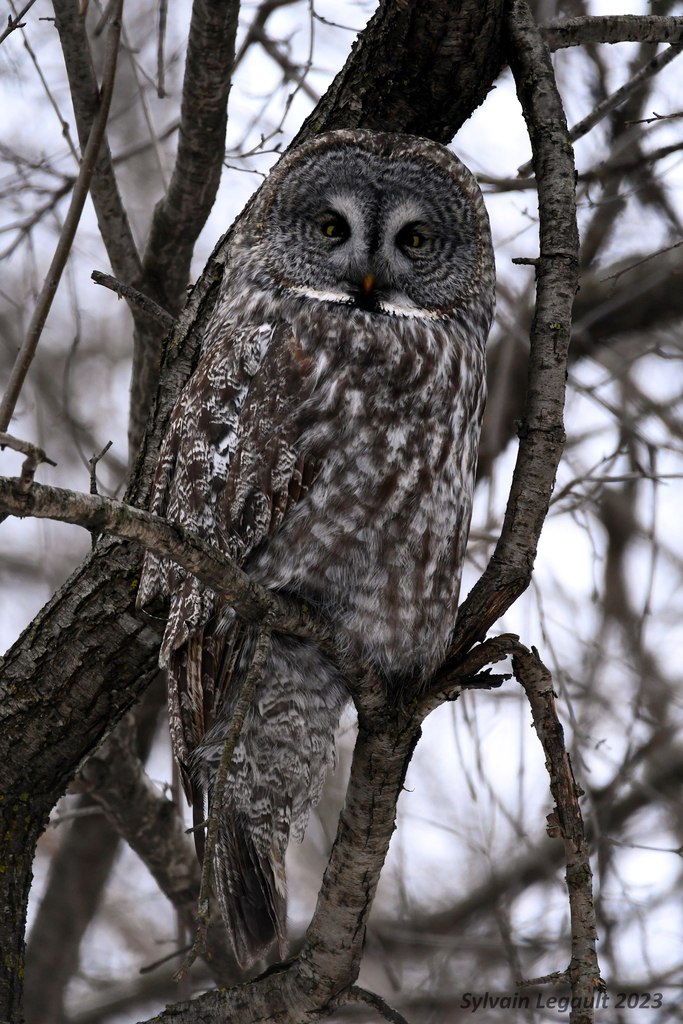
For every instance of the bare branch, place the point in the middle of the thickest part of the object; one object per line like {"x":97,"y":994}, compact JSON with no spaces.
{"x":542,"y":430}
{"x":35,"y":456}
{"x":67,"y":234}
{"x":152,"y":827}
{"x":583,"y":972}
{"x":48,"y":92}
{"x":639,"y":263}
{"x":627,"y":90}
{"x":78,"y":874}
{"x":658,"y":117}
{"x":146,"y":304}
{"x":292,"y":71}
{"x":181,"y":214}
{"x":161,"y":41}
{"x":25,"y":226}
{"x":612,"y":28}
{"x":95,"y":512}
{"x":361,"y":995}
{"x":617,"y":98}
{"x":263,"y":12}
{"x":539,"y":865}
{"x":111,"y":216}
{"x":16,"y":23}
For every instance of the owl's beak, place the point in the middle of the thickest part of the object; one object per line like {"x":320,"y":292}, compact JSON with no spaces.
{"x":368,"y":282}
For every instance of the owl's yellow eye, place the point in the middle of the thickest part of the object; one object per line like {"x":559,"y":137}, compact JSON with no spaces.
{"x":412,"y":236}
{"x":335,"y":227}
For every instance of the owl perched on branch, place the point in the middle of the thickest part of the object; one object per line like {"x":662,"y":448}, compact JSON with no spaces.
{"x":328,"y":442}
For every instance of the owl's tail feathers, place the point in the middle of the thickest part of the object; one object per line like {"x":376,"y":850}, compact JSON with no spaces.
{"x":251,"y":891}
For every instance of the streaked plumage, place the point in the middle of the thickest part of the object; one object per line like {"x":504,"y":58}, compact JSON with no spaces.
{"x":328,"y":442}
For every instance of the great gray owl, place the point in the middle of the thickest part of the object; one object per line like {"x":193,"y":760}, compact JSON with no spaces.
{"x":328,"y":442}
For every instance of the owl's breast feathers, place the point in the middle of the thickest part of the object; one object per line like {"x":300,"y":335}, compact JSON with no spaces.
{"x":333,"y":457}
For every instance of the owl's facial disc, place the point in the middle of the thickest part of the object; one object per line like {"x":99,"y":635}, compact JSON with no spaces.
{"x":352,"y":226}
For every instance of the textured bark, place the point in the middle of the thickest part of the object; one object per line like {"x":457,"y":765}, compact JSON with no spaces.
{"x":78,"y":874}
{"x":583,"y":972}
{"x":250,"y":600}
{"x":541,"y":431}
{"x":76,"y":670}
{"x":420,"y":68}
{"x":613,"y":28}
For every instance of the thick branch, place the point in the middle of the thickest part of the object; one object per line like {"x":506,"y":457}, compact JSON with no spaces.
{"x":181,"y":214}
{"x":420,"y":67}
{"x":541,"y":432}
{"x":613,"y":28}
{"x":583,"y":972}
{"x":78,"y":874}
{"x":94,"y":512}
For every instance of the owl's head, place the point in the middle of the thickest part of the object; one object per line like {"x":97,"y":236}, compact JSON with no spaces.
{"x":391,"y":224}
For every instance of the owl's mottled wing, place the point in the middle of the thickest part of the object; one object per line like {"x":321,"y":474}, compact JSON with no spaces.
{"x":228,"y":470}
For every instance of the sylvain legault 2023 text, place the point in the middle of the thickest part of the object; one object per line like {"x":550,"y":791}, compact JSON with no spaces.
{"x":601,"y":1000}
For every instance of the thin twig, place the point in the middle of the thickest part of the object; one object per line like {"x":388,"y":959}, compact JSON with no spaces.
{"x":244,"y":700}
{"x":16,"y":23}
{"x":356,"y":994}
{"x":263,"y":12}
{"x":68,"y":232}
{"x":93,"y":466}
{"x":78,"y":812}
{"x":35,"y":456}
{"x":146,"y":112}
{"x":616,"y":99}
{"x":142,"y":147}
{"x":26,"y":225}
{"x":556,"y":978}
{"x":164,"y":960}
{"x":127,"y":291}
{"x":161,"y":41}
{"x":645,"y":259}
{"x":656,"y":117}
{"x":95,"y":533}
{"x":292,"y":71}
{"x":48,"y":92}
